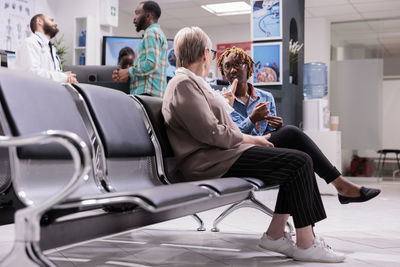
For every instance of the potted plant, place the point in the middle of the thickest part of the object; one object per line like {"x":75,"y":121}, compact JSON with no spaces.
{"x":61,"y":50}
{"x":294,"y":50}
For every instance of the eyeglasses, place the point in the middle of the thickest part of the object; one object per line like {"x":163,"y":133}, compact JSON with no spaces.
{"x":237,"y":65}
{"x":214,"y":53}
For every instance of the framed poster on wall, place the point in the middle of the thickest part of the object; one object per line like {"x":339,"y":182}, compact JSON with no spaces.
{"x":15,"y":17}
{"x":266,"y":20}
{"x":268,"y":63}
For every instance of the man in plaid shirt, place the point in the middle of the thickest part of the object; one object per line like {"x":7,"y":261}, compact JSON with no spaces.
{"x":148,"y":74}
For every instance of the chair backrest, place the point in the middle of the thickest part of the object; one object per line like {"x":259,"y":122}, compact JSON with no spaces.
{"x":98,"y":75}
{"x":31,"y":105}
{"x":5,"y":176}
{"x":127,"y":145}
{"x":151,"y":107}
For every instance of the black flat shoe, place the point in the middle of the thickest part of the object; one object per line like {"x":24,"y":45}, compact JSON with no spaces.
{"x":365,"y":195}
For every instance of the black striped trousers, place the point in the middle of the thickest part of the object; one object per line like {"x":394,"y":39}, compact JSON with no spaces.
{"x":292,"y":170}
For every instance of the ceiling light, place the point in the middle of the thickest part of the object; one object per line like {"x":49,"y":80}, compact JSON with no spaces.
{"x":226,"y":9}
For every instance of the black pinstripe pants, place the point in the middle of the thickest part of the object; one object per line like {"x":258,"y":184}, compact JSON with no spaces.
{"x":293,"y":171}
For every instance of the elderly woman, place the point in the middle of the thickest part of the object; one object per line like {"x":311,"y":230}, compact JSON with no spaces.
{"x":255,"y":114}
{"x":207,"y":143}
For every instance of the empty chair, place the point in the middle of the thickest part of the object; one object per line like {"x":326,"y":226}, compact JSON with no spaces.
{"x":382,"y":159}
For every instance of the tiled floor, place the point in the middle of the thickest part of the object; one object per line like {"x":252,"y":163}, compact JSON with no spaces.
{"x":368,"y":233}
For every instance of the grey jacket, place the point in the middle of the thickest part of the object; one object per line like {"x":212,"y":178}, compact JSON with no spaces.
{"x":205,"y":140}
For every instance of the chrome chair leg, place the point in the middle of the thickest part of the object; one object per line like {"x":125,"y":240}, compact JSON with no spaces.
{"x":200,"y":222}
{"x":232,"y":208}
{"x":252,"y":202}
{"x":27,"y":254}
{"x":261,"y":207}
{"x":26,"y":251}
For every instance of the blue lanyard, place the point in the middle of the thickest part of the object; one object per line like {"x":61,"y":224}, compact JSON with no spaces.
{"x":52,"y":57}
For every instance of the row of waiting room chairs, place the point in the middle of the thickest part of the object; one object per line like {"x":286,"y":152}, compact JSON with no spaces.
{"x":87,"y":161}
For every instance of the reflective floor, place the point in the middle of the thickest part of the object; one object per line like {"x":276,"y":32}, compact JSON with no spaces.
{"x":369,"y":234}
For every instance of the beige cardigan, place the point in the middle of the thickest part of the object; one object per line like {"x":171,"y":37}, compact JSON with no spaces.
{"x":205,"y":140}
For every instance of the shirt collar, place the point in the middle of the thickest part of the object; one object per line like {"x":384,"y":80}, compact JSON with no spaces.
{"x":154,"y":25}
{"x":42,"y":37}
{"x":253,"y":95}
{"x":252,"y":91}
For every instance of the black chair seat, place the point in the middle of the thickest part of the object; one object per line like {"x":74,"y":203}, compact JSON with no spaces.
{"x":158,"y":197}
{"x":255,"y":181}
{"x":225,"y":186}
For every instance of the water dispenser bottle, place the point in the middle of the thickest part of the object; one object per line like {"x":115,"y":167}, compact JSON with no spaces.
{"x":82,"y":38}
{"x":315,"y":81}
{"x":82,"y":59}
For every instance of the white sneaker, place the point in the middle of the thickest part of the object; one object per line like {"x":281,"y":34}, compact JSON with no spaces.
{"x":284,"y":245}
{"x":318,"y":252}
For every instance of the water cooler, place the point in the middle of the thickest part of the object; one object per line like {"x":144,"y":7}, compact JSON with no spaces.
{"x":315,"y":86}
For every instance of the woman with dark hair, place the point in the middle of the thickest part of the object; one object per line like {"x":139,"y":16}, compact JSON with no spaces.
{"x":126,"y":57}
{"x":255,"y":114}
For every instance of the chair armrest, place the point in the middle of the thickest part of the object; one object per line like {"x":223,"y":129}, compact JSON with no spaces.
{"x":28,"y":219}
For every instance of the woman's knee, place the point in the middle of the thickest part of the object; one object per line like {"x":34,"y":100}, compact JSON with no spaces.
{"x":304,"y":159}
{"x":291,"y":129}
{"x":290,"y":132}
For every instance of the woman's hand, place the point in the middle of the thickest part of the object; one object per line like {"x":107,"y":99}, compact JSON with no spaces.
{"x":275,"y":121}
{"x":260,"y":112}
{"x":258,"y":140}
{"x":230,"y":95}
{"x":120,"y":75}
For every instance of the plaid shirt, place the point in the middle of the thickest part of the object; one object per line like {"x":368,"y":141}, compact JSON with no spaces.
{"x":148,"y":75}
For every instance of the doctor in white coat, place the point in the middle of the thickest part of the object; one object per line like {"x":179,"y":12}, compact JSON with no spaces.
{"x":37,"y":55}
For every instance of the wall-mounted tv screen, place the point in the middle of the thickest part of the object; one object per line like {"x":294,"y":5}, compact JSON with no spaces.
{"x":113,"y":44}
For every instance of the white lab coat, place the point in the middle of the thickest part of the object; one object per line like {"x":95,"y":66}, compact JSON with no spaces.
{"x":33,"y":55}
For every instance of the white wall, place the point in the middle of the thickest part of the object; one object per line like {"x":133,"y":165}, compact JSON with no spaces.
{"x":125,"y":25}
{"x":390,"y":114}
{"x":66,"y":12}
{"x":222,"y":34}
{"x":317,"y":40}
{"x":44,"y":7}
{"x":356,"y":97}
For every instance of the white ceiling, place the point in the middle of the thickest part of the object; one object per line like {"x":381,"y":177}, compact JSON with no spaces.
{"x":372,"y":18}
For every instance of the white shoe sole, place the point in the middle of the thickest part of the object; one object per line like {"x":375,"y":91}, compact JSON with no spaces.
{"x":261,"y":246}
{"x":316,"y":260}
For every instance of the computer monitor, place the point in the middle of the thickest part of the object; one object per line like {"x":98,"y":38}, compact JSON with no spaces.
{"x":113,"y":44}
{"x":4,"y":55}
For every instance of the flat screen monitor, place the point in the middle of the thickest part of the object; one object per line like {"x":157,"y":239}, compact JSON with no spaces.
{"x":113,"y":44}
{"x":5,"y":57}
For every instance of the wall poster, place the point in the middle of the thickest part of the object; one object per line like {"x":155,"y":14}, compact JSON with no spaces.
{"x":266,"y":20}
{"x":268,"y":63}
{"x":15,"y":17}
